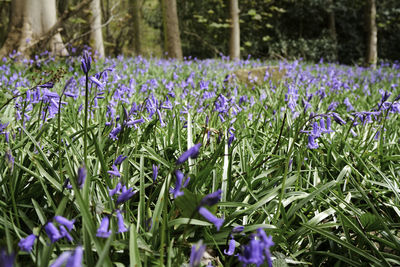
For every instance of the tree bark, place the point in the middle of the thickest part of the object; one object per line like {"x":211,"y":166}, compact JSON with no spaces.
{"x":234,"y":41}
{"x":172,"y":39}
{"x":30,"y":20}
{"x":136,"y":13}
{"x":96,"y":34}
{"x":372,"y":45}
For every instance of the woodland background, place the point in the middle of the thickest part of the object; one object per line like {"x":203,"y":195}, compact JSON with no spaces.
{"x":344,"y":31}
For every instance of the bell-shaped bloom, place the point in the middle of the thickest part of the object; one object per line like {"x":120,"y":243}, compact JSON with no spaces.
{"x":211,"y":218}
{"x":253,"y":253}
{"x":96,"y":82}
{"x":26,"y":243}
{"x":64,"y":221}
{"x":117,"y":189}
{"x":231,"y":247}
{"x":155,"y":172}
{"x":6,"y":260}
{"x":114,"y":172}
{"x":119,"y":160}
{"x":312,"y":144}
{"x":192,"y":152}
{"x":64,"y":232}
{"x":61,"y":259}
{"x":196,"y":254}
{"x":338,"y":119}
{"x":86,"y":62}
{"x":52,"y":232}
{"x":103,"y":230}
{"x":121,"y":225}
{"x":125,"y":195}
{"x":211,"y":199}
{"x":178,"y":184}
{"x":75,"y":260}
{"x":237,"y":229}
{"x":81,"y":176}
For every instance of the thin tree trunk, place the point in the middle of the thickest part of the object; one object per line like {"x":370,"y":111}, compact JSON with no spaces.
{"x":136,"y":12}
{"x":234,"y":41}
{"x":30,"y":20}
{"x":96,"y":35}
{"x":172,"y":39}
{"x":372,"y":45}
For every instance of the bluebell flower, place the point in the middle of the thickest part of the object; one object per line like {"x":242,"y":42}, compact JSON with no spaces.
{"x":64,"y":221}
{"x":253,"y":253}
{"x":125,"y":195}
{"x":61,"y":259}
{"x":238,"y":229}
{"x":311,"y":142}
{"x":96,"y":81}
{"x":119,"y":160}
{"x":121,"y":225}
{"x":81,"y":176}
{"x":338,"y":119}
{"x":155,"y":172}
{"x":103,"y":230}
{"x":211,"y":199}
{"x":117,"y":189}
{"x":178,"y":184}
{"x":114,"y":132}
{"x":65,"y":233}
{"x":52,"y":232}
{"x":114,"y":172}
{"x":332,"y":106}
{"x":267,"y":242}
{"x":192,"y":152}
{"x":6,"y":260}
{"x":86,"y":62}
{"x":211,"y":218}
{"x":231,"y":247}
{"x":27,"y":243}
{"x":196,"y":254}
{"x":75,"y":260}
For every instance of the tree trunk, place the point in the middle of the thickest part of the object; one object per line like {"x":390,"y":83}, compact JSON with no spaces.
{"x":136,"y":13}
{"x":172,"y":39}
{"x":234,"y":41}
{"x":372,"y":45}
{"x":96,"y":35}
{"x":30,"y":20}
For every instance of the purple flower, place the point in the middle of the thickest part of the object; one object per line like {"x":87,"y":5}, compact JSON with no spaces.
{"x":6,"y":260}
{"x":121,"y":225}
{"x":252,"y":253}
{"x":192,"y":152}
{"x":117,"y":189}
{"x":65,"y":233}
{"x":338,"y":119}
{"x":86,"y":62}
{"x":211,"y":218}
{"x":103,"y":229}
{"x":96,"y":81}
{"x":81,"y":177}
{"x":125,"y":195}
{"x":119,"y":160}
{"x":237,"y":229}
{"x":231,"y":247}
{"x":211,"y":199}
{"x":61,"y":259}
{"x":26,"y":243}
{"x":75,"y":260}
{"x":155,"y":172}
{"x":114,"y":132}
{"x":311,"y":142}
{"x":178,"y":184}
{"x":61,"y":220}
{"x":52,"y":232}
{"x":267,"y":242}
{"x":196,"y":254}
{"x":114,"y":172}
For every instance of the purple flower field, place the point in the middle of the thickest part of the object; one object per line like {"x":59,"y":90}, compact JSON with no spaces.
{"x":146,"y":162}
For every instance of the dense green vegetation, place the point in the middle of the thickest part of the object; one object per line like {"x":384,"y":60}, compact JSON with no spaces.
{"x":311,"y":160}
